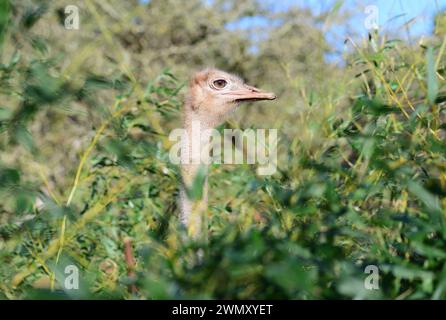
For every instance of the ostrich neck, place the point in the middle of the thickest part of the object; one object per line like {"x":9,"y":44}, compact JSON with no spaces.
{"x":196,"y":142}
{"x":195,"y":154}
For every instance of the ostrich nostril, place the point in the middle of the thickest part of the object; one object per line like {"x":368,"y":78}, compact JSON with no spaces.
{"x":252,"y":89}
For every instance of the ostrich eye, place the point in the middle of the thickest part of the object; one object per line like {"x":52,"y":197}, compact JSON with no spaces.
{"x":220,"y":83}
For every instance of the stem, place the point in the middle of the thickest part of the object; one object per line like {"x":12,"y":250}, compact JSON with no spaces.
{"x":90,"y":148}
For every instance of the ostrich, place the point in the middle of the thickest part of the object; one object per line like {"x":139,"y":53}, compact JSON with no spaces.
{"x":212,"y":95}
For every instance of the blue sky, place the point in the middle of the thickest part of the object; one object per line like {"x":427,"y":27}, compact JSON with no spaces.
{"x":406,"y":19}
{"x":393,"y":14}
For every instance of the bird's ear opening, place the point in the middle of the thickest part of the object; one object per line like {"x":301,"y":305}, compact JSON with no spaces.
{"x":199,"y":77}
{"x":194,"y":87}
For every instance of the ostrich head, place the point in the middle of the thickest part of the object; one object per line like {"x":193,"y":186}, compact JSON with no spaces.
{"x":213,"y":94}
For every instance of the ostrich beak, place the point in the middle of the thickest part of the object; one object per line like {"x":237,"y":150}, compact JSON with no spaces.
{"x":249,"y":93}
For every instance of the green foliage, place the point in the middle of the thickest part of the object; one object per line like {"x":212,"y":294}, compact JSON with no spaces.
{"x":84,"y":160}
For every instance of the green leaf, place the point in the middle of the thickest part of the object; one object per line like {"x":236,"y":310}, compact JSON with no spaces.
{"x":432,"y":84}
{"x":23,"y":137}
{"x":5,"y":113}
{"x":32,"y":15}
{"x":9,"y":177}
{"x":122,"y":151}
{"x":24,"y":202}
{"x":4,"y":19}
{"x":195,"y":192}
{"x":291,"y":276}
{"x":428,"y":199}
